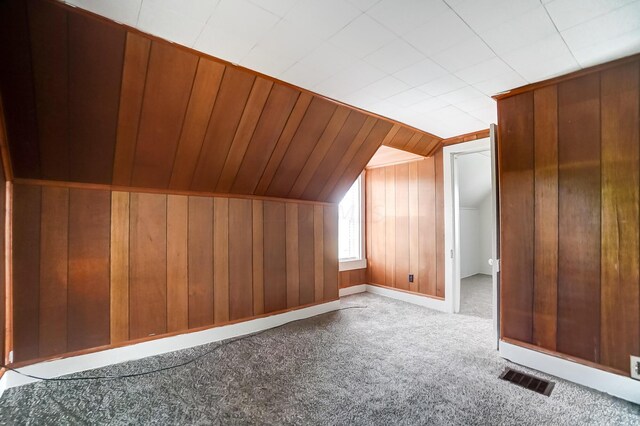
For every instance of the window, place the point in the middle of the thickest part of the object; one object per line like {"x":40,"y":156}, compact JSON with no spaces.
{"x":350,"y":229}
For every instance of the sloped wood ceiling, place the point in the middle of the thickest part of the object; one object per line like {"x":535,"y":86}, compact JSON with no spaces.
{"x":89,"y":100}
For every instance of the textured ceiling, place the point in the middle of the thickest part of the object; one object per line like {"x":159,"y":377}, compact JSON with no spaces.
{"x":432,"y":64}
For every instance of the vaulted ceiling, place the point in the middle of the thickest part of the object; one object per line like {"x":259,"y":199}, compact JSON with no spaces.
{"x":89,"y":100}
{"x":432,"y":64}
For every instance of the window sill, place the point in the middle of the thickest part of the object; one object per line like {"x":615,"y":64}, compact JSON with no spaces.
{"x":350,"y":265}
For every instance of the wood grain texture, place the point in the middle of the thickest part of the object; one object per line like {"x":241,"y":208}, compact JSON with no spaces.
{"x":119,"y":264}
{"x":353,"y":277}
{"x":134,"y":76}
{"x":54,"y":226}
{"x":95,"y":61}
{"x":545,"y":297}
{"x":516,"y":216}
{"x":258,"y":256}
{"x":620,"y":280}
{"x":275,"y":268}
{"x":177,"y":263}
{"x":390,"y":226}
{"x":170,"y":77}
{"x":318,"y":253}
{"x":306,"y":253}
{"x":240,"y":259}
{"x":579,"y":222}
{"x":88,"y":285}
{"x":414,"y":226}
{"x":221,"y":260}
{"x":401,"y":233}
{"x":377,"y":195}
{"x":293,"y":255}
{"x":330,"y":249}
{"x":26,"y":271}
{"x":148,"y":265}
{"x":427,"y":241}
{"x":200,"y":261}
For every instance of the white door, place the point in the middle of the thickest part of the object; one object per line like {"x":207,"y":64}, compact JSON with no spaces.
{"x":495,"y":231}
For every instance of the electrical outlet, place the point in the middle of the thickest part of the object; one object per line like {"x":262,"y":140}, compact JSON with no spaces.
{"x":410,"y":278}
{"x":635,"y":367}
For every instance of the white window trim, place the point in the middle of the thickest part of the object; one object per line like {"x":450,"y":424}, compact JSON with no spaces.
{"x":351,"y":264}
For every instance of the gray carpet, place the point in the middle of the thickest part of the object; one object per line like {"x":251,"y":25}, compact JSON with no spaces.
{"x":389,"y":364}
{"x":476,"y":296}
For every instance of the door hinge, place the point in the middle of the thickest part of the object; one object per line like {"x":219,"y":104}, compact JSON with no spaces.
{"x":497,"y":265}
{"x":451,"y":253}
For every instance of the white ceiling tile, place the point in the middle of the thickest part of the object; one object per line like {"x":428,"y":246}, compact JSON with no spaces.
{"x":608,"y":50}
{"x":304,"y":76}
{"x":288,"y":41}
{"x":434,"y":37}
{"x":469,"y":52}
{"x":521,"y":31}
{"x":482,"y":15}
{"x":361,"y":99}
{"x":394,"y":56}
{"x":168,"y":23}
{"x":461,"y":95}
{"x":543,"y":59}
{"x":322,"y":18}
{"x":267,"y":62}
{"x":569,"y":13}
{"x":225,"y":38}
{"x":420,"y":73}
{"x":402,"y":16}
{"x":362,"y":36}
{"x":488,"y":115}
{"x":408,"y":97}
{"x":363,"y":5}
{"x":483,"y":71}
{"x":384,"y":108}
{"x":328,"y":59}
{"x":352,"y":78}
{"x":198,"y":10}
{"x":606,"y":27}
{"x":428,"y":105}
{"x":123,"y":11}
{"x":501,"y":83}
{"x":277,"y":7}
{"x":444,"y":84}
{"x":476,"y":104}
{"x":387,"y":86}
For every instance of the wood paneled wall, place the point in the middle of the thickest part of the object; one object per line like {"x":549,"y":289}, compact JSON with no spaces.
{"x":162,"y":116}
{"x":569,"y":191}
{"x":95,"y":268}
{"x":3,"y":209}
{"x":405,"y":227}
{"x":352,"y":277}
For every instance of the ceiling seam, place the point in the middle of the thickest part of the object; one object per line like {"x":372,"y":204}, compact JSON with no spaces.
{"x":560,"y":34}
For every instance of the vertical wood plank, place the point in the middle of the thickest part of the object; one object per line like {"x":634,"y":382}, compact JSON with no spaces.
{"x":401,"y":251}
{"x":119,"y":264}
{"x":134,"y":75}
{"x":275,"y":273}
{"x":200,"y":261}
{"x":26,"y":271}
{"x":368,"y":210}
{"x":427,"y":241}
{"x":240,"y":259}
{"x":88,"y":285}
{"x":306,"y":254}
{"x":330,"y":246}
{"x":318,"y":250}
{"x":148,"y":268}
{"x":390,"y":226}
{"x":221,"y":260}
{"x":579,"y":221}
{"x":258,"y":257}
{"x":53,"y":270}
{"x":620,"y":315}
{"x":516,"y":215}
{"x":293,"y":271}
{"x":545,"y":297}
{"x":177,"y":263}
{"x":440,"y":254}
{"x":414,"y":227}
{"x":378,"y":233}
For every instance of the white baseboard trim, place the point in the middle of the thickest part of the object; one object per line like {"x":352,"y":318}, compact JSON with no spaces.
{"x":76,"y":364}
{"x":426,"y":301}
{"x":603,"y":381}
{"x":360,"y":288}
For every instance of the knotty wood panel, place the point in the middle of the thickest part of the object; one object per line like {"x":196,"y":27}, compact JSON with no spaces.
{"x":148,"y":265}
{"x":221,"y":260}
{"x":545,"y":296}
{"x":306,"y":255}
{"x":240,"y":259}
{"x":26,"y":271}
{"x":177,"y":263}
{"x":516,"y":215}
{"x":88,"y":285}
{"x":620,"y":315}
{"x":54,"y":225}
{"x":579,"y":217}
{"x":96,"y":51}
{"x":275,"y":269}
{"x":200,"y":261}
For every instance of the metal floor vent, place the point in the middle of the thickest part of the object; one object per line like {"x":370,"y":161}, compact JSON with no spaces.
{"x":527,"y":381}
